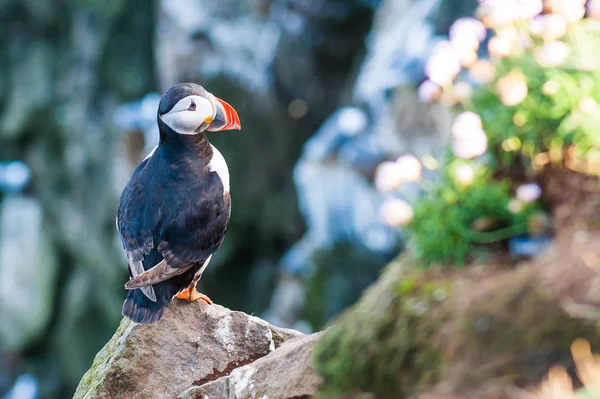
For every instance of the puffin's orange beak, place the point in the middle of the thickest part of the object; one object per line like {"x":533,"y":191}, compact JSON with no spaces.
{"x":225,"y":119}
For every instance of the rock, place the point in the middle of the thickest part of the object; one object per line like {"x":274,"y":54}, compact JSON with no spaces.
{"x":191,"y":345}
{"x":285,"y":373}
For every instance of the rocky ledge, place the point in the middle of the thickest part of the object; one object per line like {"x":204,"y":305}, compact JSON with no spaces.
{"x":202,"y":351}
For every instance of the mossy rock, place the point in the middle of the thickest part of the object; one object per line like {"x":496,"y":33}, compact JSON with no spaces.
{"x":92,"y":383}
{"x":341,"y":273}
{"x":448,"y":332}
{"x":384,"y":341}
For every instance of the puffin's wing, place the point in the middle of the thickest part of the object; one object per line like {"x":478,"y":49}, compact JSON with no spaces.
{"x":134,"y":223}
{"x":135,"y":227}
{"x":191,"y":236}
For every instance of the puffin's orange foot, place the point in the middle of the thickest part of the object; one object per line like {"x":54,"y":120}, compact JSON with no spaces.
{"x":185,"y":294}
{"x":197,"y":295}
{"x":191,"y":294}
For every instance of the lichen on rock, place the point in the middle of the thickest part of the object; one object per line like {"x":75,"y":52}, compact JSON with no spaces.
{"x":93,"y":379}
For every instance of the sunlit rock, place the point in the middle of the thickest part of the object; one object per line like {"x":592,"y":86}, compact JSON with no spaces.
{"x":192,"y":345}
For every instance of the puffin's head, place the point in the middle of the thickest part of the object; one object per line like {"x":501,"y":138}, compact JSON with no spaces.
{"x":187,"y":108}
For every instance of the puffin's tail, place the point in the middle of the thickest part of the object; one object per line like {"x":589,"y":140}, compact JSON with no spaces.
{"x":140,"y":309}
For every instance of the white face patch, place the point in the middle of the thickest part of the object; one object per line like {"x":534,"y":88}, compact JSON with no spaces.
{"x":188,"y":114}
{"x":217,"y":164}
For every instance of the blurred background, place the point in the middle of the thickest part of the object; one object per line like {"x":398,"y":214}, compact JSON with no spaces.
{"x":330,"y":94}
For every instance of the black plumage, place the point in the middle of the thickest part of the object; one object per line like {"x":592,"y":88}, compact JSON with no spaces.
{"x":174,"y":210}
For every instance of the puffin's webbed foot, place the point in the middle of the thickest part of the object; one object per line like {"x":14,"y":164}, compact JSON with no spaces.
{"x":191,"y":294}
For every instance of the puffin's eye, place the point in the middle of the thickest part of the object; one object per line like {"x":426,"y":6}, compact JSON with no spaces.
{"x":192,"y":106}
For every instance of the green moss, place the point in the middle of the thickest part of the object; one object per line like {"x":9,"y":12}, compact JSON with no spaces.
{"x":278,"y":339}
{"x":383,"y":345}
{"x":93,"y":380}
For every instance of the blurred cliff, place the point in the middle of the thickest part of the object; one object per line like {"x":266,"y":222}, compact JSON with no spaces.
{"x":325,"y":89}
{"x":64,"y":68}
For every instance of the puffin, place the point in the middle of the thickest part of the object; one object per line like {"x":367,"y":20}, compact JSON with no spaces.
{"x":174,"y":211}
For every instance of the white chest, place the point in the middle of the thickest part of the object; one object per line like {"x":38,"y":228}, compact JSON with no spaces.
{"x":217,"y":164}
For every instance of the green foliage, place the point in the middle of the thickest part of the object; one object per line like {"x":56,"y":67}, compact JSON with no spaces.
{"x":442,"y":229}
{"x":588,"y":393}
{"x":537,"y":104}
{"x":553,"y":115}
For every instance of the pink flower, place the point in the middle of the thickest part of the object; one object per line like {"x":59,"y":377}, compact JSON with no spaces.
{"x":464,"y":175}
{"x":474,"y":147}
{"x":469,"y":139}
{"x":512,"y":89}
{"x":552,"y":54}
{"x":572,"y":10}
{"x":497,"y":13}
{"x":482,"y":72}
{"x":529,"y":192}
{"x":396,"y":212}
{"x":467,"y":32}
{"x":443,"y":66}
{"x":429,"y":91}
{"x":594,"y":9}
{"x":388,"y":176}
{"x":531,"y":8}
{"x":549,"y":26}
{"x":464,"y":123}
{"x":462,"y":91}
{"x":499,"y":46}
{"x":468,"y":26}
{"x":465,"y":55}
{"x":410,"y":167}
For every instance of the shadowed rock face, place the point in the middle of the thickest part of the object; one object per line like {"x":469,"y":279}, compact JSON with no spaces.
{"x":192,"y":345}
{"x":285,"y":373}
